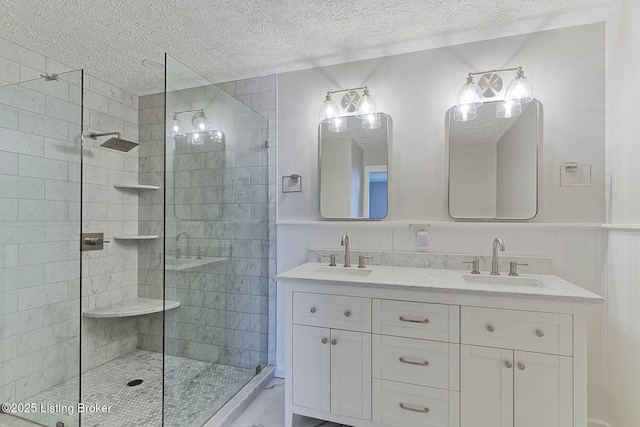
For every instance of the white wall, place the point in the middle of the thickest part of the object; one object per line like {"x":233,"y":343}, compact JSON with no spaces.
{"x":566,"y":67}
{"x":623,"y":253}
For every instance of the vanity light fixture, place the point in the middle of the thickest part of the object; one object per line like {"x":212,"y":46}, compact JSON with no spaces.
{"x":199,"y":132}
{"x":470,"y":97}
{"x":365,"y":109}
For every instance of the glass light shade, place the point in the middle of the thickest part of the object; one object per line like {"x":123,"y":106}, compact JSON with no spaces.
{"x":470,"y":94}
{"x":328,"y":110}
{"x":465,"y":112}
{"x":371,"y":121}
{"x":175,"y":126}
{"x":366,"y":105}
{"x":199,"y":123}
{"x":508,"y":108}
{"x":196,"y":139}
{"x":520,"y":89}
{"x":338,"y":124}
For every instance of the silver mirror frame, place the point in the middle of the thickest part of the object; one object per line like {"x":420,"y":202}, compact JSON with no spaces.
{"x":389,"y":171}
{"x":448,"y":120}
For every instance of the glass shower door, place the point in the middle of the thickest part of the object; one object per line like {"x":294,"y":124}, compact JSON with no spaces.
{"x":216,"y":246}
{"x":40,"y":268}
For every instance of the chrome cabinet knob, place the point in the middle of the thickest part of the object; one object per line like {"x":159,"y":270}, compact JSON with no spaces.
{"x":334,"y":341}
{"x":508,"y":364}
{"x":347,"y":313}
{"x":540,"y":333}
{"x":521,"y":366}
{"x":490,"y":328}
{"x":324,"y":340}
{"x":313,"y":310}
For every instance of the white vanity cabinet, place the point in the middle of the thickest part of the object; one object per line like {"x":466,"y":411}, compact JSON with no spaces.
{"x":331,"y":354}
{"x":503,"y":386}
{"x":380,"y":354}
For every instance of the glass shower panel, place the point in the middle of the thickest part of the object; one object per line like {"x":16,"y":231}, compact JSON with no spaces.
{"x":216,"y":246}
{"x":40,"y":205}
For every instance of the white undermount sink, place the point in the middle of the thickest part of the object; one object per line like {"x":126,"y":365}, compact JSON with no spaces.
{"x":342,"y":271}
{"x":519,"y":281}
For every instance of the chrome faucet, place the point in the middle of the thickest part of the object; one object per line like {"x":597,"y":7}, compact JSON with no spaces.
{"x":345,"y":242}
{"x":497,"y":243}
{"x":182,"y":233}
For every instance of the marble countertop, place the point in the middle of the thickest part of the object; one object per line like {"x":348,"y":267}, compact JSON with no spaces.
{"x":440,"y":280}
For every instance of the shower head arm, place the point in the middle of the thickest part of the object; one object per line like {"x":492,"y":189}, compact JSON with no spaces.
{"x":94,"y":135}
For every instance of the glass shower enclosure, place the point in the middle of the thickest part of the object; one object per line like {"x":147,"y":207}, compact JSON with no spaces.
{"x":187,"y":214}
{"x":40,"y":265}
{"x":216,"y":244}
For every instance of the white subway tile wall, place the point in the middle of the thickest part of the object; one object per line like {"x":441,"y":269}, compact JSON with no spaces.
{"x":39,"y":224}
{"x":224,"y":202}
{"x":109,"y":275}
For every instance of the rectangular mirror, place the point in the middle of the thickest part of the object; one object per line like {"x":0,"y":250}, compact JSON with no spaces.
{"x":354,"y":175}
{"x":493,"y":164}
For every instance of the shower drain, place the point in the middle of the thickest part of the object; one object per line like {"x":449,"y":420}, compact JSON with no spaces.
{"x":134,"y":383}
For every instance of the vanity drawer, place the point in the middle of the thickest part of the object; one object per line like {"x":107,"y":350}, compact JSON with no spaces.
{"x":405,"y":405}
{"x":420,"y":362}
{"x":332,"y":311}
{"x":421,"y":320}
{"x":517,"y":329}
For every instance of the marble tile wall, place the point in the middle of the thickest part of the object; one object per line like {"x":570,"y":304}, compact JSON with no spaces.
{"x":39,"y":223}
{"x":220,"y":205}
{"x":109,"y":275}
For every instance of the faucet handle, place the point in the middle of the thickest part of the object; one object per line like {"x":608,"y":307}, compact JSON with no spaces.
{"x":475,"y":266}
{"x":332,"y":259}
{"x":513,"y":268}
{"x":361,"y":259}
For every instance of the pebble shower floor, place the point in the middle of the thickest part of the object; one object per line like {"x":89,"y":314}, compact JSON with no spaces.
{"x":192,"y":389}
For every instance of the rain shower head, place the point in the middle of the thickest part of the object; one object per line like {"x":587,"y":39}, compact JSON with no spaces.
{"x":115,"y":143}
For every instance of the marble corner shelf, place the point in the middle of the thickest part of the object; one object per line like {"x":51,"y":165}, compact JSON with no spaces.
{"x":132,"y":307}
{"x":137,"y":187}
{"x":136,"y":237}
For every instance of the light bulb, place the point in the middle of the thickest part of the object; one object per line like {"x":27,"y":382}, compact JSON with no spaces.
{"x":470,"y":94}
{"x":199,"y":122}
{"x":175,"y":126}
{"x":508,"y":108}
{"x":328,"y":110}
{"x":366,"y":105}
{"x":371,"y":121}
{"x":520,"y":89}
{"x":338,"y":124}
{"x":465,"y":112}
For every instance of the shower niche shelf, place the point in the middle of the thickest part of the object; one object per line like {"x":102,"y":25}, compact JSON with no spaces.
{"x":132,"y":307}
{"x":136,"y":187}
{"x":135,"y":237}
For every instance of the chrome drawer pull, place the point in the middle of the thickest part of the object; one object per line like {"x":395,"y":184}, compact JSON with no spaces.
{"x":347,"y":313}
{"x":313,"y":310}
{"x":521,"y":366}
{"x":334,"y":341}
{"x":540,"y":333}
{"x":425,"y":363}
{"x":508,"y":364}
{"x":324,"y":340}
{"x":409,"y":408}
{"x":490,"y":328}
{"x":404,"y":319}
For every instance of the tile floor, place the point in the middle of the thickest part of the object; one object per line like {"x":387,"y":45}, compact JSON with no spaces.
{"x":267,"y":410}
{"x":194,"y":391}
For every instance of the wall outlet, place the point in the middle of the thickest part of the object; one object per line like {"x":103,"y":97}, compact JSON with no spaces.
{"x":415,"y":228}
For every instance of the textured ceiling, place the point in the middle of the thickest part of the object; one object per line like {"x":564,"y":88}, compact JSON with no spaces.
{"x":231,"y":39}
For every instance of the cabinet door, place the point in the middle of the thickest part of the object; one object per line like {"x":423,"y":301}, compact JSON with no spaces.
{"x":311,"y":367}
{"x":486,"y":387}
{"x":351,"y":374}
{"x":542,"y":390}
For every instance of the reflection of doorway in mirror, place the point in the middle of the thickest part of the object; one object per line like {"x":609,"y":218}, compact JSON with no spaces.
{"x":375,"y":191}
